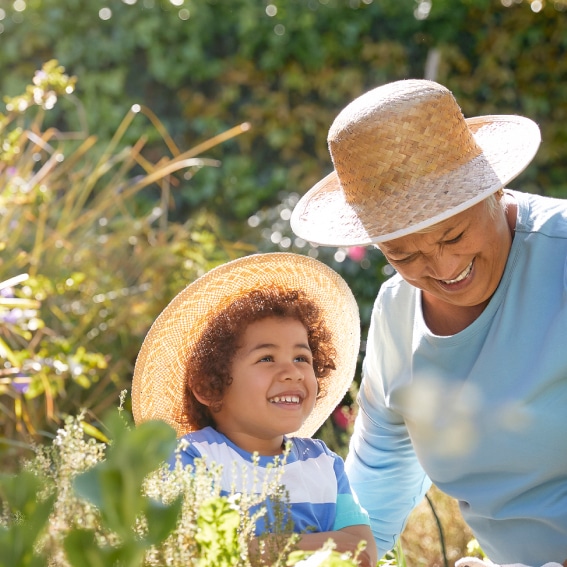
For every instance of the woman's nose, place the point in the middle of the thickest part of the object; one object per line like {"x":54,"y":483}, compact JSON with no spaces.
{"x":443,"y":266}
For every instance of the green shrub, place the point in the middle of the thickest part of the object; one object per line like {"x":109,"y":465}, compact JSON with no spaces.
{"x":89,"y":256}
{"x":287,"y":68}
{"x":82,"y":503}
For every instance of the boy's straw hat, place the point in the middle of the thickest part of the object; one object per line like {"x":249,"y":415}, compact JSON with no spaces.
{"x":158,"y":387}
{"x":405,"y":158}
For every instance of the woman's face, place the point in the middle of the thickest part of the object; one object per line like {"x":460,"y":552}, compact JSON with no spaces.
{"x":459,"y":261}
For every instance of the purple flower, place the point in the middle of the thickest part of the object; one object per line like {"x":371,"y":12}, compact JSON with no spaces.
{"x":7,"y":292}
{"x":21,"y":383}
{"x":12,"y":316}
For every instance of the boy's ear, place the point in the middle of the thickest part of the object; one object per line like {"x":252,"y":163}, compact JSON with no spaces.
{"x":200,"y":399}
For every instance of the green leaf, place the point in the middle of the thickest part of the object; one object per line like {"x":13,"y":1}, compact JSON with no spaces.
{"x":161,"y":519}
{"x":217,"y":534}
{"x":115,"y":485}
{"x":82,"y":550}
{"x":19,"y":538}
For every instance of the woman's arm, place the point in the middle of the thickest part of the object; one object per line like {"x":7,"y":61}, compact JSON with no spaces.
{"x":381,"y":464}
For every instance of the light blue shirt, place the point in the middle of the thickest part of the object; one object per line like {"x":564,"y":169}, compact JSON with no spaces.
{"x":320,"y":497}
{"x":483,"y":413}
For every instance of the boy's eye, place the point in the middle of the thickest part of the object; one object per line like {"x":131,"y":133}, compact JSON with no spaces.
{"x":299,"y":358}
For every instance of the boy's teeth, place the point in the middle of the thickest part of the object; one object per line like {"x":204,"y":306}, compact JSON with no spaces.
{"x":461,"y":276}
{"x":287,"y":399}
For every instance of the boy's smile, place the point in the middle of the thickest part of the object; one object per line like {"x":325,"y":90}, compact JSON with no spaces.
{"x":273,"y":387}
{"x":286,"y":399}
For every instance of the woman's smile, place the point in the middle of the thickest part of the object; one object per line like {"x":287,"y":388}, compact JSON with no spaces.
{"x":463,"y":275}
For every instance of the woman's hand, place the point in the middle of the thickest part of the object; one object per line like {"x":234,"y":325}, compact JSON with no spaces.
{"x":477,"y":562}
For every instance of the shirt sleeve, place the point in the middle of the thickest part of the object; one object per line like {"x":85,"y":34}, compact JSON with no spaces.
{"x":185,"y":452}
{"x":381,"y":464}
{"x":349,"y":512}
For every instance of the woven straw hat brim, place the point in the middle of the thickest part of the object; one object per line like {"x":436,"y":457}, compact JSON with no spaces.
{"x":158,"y":386}
{"x":324,"y":216}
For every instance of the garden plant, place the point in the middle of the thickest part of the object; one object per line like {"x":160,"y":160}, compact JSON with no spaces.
{"x":83,"y":487}
{"x":88,"y":256}
{"x":82,"y":503}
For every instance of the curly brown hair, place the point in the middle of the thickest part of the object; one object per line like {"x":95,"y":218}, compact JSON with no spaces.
{"x":209,"y":363}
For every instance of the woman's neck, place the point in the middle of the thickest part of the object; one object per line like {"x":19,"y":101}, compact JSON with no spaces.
{"x":444,"y":319}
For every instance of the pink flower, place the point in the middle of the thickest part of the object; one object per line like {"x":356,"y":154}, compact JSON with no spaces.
{"x":356,"y":253}
{"x":343,"y":416}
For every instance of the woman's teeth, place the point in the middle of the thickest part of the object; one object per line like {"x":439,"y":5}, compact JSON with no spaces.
{"x":461,"y":276}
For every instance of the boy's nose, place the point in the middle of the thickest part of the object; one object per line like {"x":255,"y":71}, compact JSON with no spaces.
{"x":291,"y":372}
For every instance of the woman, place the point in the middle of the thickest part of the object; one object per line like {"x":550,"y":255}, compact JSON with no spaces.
{"x":465,"y":374}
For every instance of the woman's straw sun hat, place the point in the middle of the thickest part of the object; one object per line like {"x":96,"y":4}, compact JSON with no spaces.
{"x":158,"y":387}
{"x":405,"y":158}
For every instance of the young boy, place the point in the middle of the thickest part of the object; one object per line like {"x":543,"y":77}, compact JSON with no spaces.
{"x":253,"y":355}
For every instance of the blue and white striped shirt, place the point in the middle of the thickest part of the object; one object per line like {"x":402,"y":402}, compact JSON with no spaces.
{"x":320,"y":496}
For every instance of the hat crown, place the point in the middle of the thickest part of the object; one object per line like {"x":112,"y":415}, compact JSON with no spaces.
{"x":405,"y":158}
{"x":394,"y":136}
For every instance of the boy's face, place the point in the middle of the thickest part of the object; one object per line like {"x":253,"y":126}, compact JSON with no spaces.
{"x":273,"y":387}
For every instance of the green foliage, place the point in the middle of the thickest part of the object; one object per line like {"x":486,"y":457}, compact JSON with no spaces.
{"x":93,"y":501}
{"x":287,"y":68}
{"x":90,"y":255}
{"x":395,"y":558}
{"x":114,"y":487}
{"x":474,"y":549}
{"x":80,"y":502}
{"x":27,"y":519}
{"x":217,"y":533}
{"x":325,"y":557}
